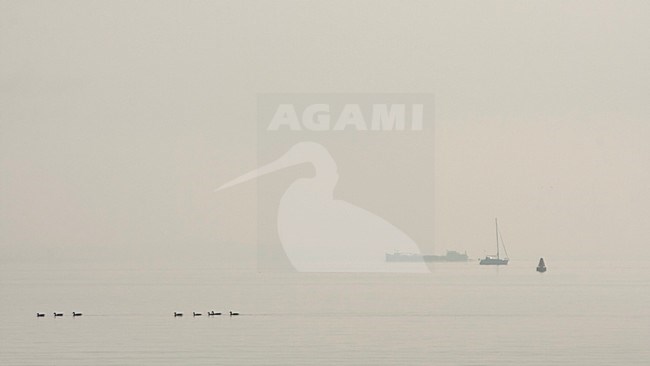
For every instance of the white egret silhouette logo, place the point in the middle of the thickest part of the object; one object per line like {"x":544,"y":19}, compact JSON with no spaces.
{"x":323,"y":234}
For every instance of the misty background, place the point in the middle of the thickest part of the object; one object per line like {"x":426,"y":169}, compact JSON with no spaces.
{"x":119,"y":119}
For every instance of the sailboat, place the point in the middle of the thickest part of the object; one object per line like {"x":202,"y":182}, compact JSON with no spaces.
{"x":541,"y":267}
{"x":496,"y":259}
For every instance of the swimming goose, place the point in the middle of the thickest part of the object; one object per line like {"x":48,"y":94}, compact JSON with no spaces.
{"x":212,"y":313}
{"x":40,"y":315}
{"x":231,"y":313}
{"x":177,"y":314}
{"x":76,"y":314}
{"x":196,"y":314}
{"x":58,"y":314}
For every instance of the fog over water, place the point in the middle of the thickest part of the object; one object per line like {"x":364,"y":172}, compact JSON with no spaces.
{"x":118,"y":120}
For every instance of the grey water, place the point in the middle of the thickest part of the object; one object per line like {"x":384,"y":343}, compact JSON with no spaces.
{"x":577,"y":313}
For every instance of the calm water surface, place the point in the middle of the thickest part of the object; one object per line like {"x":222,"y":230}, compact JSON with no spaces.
{"x":460,"y":314}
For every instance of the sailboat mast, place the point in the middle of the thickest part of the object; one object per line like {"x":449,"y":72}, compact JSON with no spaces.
{"x":496,"y":225}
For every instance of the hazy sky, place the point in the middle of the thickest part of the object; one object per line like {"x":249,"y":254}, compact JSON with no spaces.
{"x":118,"y":119}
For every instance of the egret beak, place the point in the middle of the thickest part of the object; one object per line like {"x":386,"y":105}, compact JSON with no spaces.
{"x":281,"y":163}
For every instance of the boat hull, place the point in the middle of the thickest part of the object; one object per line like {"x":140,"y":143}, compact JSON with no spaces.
{"x":494,"y":261}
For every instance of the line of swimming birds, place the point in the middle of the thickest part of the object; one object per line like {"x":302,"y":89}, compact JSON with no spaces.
{"x":210,"y":313}
{"x":176,"y":314}
{"x":56,"y":315}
